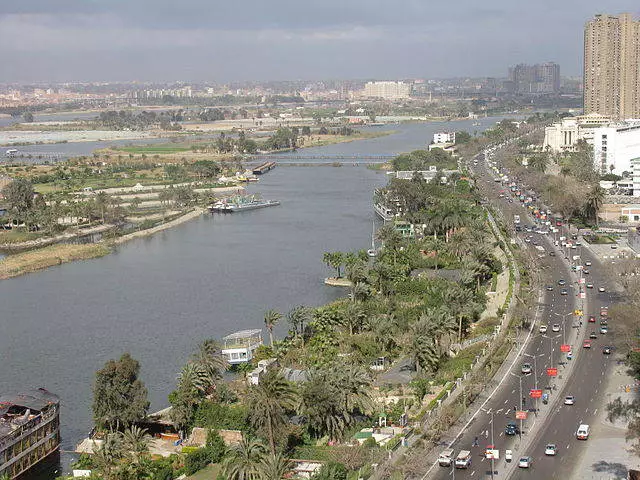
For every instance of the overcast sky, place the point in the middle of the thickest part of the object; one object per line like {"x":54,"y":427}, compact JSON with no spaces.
{"x":213,"y":40}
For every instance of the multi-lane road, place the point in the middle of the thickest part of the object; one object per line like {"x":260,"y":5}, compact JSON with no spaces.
{"x":583,"y":376}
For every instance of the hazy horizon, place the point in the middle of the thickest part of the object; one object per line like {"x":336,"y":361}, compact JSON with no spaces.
{"x":200,"y":41}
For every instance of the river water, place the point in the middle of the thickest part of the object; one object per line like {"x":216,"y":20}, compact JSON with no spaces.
{"x":158,"y":297}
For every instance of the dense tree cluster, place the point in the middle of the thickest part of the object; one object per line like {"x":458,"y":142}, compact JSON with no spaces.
{"x":125,"y":120}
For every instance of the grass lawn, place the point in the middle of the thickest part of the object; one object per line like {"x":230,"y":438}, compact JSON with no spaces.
{"x":209,"y":473}
{"x":18,"y":236}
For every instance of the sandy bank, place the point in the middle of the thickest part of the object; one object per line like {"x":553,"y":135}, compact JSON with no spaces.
{"x":150,"y":231}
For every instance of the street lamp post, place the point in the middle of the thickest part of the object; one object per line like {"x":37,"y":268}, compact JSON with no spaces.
{"x":535,"y":373}
{"x":521,"y":402}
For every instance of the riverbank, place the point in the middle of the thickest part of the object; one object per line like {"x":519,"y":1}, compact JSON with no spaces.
{"x":51,"y":255}
{"x":33,"y":261}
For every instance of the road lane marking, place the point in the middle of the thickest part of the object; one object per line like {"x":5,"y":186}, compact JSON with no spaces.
{"x":595,"y":412}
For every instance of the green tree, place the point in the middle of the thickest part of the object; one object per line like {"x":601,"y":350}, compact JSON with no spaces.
{"x":119,"y":396}
{"x":268,"y":403}
{"x":274,"y":467}
{"x":271,"y":319}
{"x":331,"y":471}
{"x":18,"y":195}
{"x":243,"y":460}
{"x":593,"y":202}
{"x":334,"y":260}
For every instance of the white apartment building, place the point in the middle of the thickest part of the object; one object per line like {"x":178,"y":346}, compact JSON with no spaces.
{"x":616,"y":146}
{"x":444,"y":137}
{"x":564,"y":135}
{"x":387,"y":90}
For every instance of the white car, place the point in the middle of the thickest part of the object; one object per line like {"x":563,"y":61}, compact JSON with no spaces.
{"x":550,"y":449}
{"x":588,"y":264}
{"x":589,"y":285}
{"x":555,"y":327}
{"x":569,"y":400}
{"x":525,"y":462}
{"x":601,"y":289}
{"x":543,"y":329}
{"x":526,"y":368}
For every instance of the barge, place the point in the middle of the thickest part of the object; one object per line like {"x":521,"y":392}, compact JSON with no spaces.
{"x":264,"y":168}
{"x":29,"y":430}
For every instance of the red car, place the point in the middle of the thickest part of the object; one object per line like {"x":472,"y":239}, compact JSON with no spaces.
{"x":587,"y":344}
{"x":592,"y":319}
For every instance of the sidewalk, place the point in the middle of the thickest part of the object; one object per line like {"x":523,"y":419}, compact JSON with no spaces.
{"x":607,"y":455}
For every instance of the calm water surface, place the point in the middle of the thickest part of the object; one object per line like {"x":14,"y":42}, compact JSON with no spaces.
{"x":158,"y":297}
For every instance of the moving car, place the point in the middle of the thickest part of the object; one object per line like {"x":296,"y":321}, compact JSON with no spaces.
{"x":593,"y":335}
{"x":586,"y":344}
{"x":583,"y":432}
{"x":508,"y":455}
{"x":564,"y":292}
{"x":555,"y":327}
{"x":601,"y":289}
{"x":562,"y":282}
{"x":585,"y":271}
{"x":526,"y":368}
{"x":603,"y":330}
{"x":525,"y":462}
{"x":550,"y":449}
{"x":463,"y":460}
{"x":543,"y":329}
{"x":606,"y":350}
{"x":603,"y":322}
{"x":604,"y":311}
{"x":589,"y":285}
{"x":511,"y":429}
{"x":549,"y":288}
{"x":569,"y":400}
{"x":446,"y":458}
{"x":587,"y":263}
{"x":592,"y":319}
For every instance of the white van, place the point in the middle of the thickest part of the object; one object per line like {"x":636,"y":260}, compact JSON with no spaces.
{"x":583,"y":432}
{"x":463,"y":460}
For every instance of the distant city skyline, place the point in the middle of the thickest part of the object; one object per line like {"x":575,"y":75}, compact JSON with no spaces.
{"x":201,"y":40}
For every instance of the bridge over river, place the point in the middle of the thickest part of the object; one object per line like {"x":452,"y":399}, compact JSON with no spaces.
{"x":301,"y":157}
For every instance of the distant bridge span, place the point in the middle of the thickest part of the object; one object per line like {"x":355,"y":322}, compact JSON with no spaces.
{"x":360,"y":157}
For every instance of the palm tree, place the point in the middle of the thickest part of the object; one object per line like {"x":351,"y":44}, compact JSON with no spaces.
{"x":297,"y":317}
{"x":135,"y":443}
{"x":593,"y":202}
{"x":108,"y":454}
{"x":243,"y":460}
{"x":268,"y":403}
{"x":354,"y":382}
{"x":210,"y":359}
{"x":193,"y":378}
{"x":353,"y":318}
{"x":274,"y":467}
{"x":271,"y":318}
{"x":324,"y":406}
{"x":334,"y":260}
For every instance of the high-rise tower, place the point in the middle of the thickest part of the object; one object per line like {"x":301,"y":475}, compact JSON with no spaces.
{"x":612,"y":66}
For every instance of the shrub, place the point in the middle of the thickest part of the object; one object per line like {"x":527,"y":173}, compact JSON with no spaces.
{"x":196,"y":460}
{"x":331,"y":471}
{"x":216,"y":446}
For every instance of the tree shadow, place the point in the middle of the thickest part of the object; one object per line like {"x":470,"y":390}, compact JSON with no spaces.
{"x":617,"y":469}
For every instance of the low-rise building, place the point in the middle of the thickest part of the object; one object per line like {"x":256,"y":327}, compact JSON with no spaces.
{"x":239,"y":347}
{"x":563,"y":136}
{"x":616,"y":146}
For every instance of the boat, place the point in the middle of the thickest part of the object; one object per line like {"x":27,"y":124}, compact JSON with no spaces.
{"x":383,"y":212}
{"x":29,"y":431}
{"x":241,"y":203}
{"x":372,"y":252}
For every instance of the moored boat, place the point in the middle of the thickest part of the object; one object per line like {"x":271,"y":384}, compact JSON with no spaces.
{"x":241,"y":203}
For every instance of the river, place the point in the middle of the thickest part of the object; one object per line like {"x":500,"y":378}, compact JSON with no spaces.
{"x":158,"y":297}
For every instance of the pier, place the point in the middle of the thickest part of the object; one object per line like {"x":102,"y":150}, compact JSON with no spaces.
{"x":264,"y":168}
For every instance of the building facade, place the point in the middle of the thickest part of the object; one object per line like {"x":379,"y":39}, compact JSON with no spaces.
{"x":538,"y":78}
{"x":612,"y":66}
{"x":564,"y":135}
{"x":615,"y":147}
{"x":387,"y":90}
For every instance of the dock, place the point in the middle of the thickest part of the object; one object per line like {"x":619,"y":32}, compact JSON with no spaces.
{"x":264,"y":168}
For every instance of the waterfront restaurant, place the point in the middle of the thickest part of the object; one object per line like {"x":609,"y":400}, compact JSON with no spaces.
{"x":239,"y":347}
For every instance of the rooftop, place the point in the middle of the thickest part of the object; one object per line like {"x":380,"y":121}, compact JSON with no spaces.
{"x":243,"y":334}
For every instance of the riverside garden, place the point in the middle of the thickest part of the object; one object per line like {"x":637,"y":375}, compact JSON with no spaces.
{"x":413,"y":309}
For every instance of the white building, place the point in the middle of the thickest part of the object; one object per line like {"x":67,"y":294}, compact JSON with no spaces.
{"x":635,"y":177}
{"x":239,"y":347}
{"x":564,"y":135}
{"x":444,"y":137}
{"x":615,"y":146}
{"x":387,"y":90}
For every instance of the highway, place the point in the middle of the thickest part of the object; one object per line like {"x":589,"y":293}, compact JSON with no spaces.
{"x":553,"y":422}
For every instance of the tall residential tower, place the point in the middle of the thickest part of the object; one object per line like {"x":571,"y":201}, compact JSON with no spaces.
{"x":612,"y":66}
